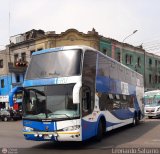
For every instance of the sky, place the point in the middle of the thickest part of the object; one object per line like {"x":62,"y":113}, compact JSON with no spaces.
{"x":115,"y":19}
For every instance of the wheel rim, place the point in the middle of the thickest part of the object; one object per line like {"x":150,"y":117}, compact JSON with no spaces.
{"x":134,"y":121}
{"x":5,"y":118}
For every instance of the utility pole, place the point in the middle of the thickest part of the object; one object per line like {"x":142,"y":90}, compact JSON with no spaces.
{"x":121,"y":60}
{"x":144,"y":78}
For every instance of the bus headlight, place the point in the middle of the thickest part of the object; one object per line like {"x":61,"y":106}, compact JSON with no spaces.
{"x":71,"y":128}
{"x":27,"y":129}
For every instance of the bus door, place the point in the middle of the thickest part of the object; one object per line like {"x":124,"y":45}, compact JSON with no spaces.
{"x":88,"y":94}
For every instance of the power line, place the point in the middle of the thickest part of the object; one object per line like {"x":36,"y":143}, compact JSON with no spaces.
{"x":153,"y":47}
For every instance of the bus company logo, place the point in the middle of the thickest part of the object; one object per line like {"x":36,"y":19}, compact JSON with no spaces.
{"x":4,"y":150}
{"x":62,"y":80}
{"x":46,"y":128}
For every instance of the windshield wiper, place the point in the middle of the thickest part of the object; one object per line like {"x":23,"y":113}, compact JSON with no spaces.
{"x":54,"y":74}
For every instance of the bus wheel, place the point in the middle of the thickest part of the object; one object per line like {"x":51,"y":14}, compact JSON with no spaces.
{"x":99,"y":134}
{"x":149,"y":117}
{"x":135,"y":120}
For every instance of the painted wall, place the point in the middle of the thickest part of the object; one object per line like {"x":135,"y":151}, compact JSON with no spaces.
{"x":106,"y":45}
{"x":7,"y":84}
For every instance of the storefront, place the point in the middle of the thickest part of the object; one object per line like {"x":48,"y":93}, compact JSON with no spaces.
{"x":4,"y":102}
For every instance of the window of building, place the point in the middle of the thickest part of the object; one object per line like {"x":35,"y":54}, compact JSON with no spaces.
{"x":159,"y":79}
{"x":150,"y":62}
{"x":23,"y":55}
{"x":150,"y":78}
{"x":104,"y":51}
{"x":139,"y":62}
{"x":118,"y":56}
{"x":156,"y":63}
{"x":15,"y":58}
{"x":156,"y":79}
{"x":1,"y":63}
{"x":2,"y":83}
{"x":129,"y":59}
{"x":17,"y":78}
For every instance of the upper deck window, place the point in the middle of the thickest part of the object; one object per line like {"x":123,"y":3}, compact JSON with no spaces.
{"x":55,"y":64}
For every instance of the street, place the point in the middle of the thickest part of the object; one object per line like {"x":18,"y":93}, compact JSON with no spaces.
{"x":145,"y":135}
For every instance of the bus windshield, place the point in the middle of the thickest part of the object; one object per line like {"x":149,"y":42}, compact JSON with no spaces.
{"x":152,"y":100}
{"x":50,"y":102}
{"x":55,"y":64}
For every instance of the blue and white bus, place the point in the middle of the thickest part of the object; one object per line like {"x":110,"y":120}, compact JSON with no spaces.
{"x":73,"y":93}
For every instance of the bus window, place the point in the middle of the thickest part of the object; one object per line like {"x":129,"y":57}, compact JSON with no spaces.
{"x":103,"y":99}
{"x":110,"y":102}
{"x":131,"y":101}
{"x":116,"y":102}
{"x":116,"y":105}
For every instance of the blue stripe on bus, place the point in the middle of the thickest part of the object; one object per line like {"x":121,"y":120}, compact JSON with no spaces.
{"x":102,"y":84}
{"x":38,"y":82}
{"x":48,"y":50}
{"x":40,"y":126}
{"x":32,"y":137}
{"x":122,"y":114}
{"x":89,"y":128}
{"x":106,"y":84}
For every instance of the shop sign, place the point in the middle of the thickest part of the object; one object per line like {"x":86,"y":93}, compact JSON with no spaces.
{"x":4,"y":98}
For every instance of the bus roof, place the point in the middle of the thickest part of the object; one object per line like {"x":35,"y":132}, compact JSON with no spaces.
{"x":56,"y":49}
{"x":152,"y":93}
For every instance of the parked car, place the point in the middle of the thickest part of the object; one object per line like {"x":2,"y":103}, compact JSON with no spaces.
{"x":16,"y":114}
{"x":6,"y":115}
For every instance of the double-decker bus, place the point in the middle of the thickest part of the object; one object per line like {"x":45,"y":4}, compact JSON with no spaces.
{"x":73,"y":93}
{"x":152,"y":103}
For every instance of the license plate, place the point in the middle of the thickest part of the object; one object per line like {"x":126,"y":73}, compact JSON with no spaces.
{"x":46,"y":137}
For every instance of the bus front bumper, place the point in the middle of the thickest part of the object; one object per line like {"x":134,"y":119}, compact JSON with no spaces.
{"x":53,"y":136}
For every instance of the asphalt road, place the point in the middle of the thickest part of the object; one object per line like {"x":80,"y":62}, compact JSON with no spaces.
{"x":145,"y":135}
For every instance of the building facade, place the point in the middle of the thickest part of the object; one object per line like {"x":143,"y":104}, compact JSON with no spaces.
{"x":15,"y":59}
{"x":5,"y":78}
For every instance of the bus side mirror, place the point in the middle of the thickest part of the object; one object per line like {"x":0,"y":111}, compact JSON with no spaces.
{"x":76,"y":93}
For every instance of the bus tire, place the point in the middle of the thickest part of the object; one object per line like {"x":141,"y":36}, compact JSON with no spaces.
{"x":135,"y":120}
{"x":99,"y":134}
{"x":150,"y":117}
{"x":139,"y":115}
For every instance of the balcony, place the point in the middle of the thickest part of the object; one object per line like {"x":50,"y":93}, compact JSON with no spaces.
{"x":16,"y":69}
